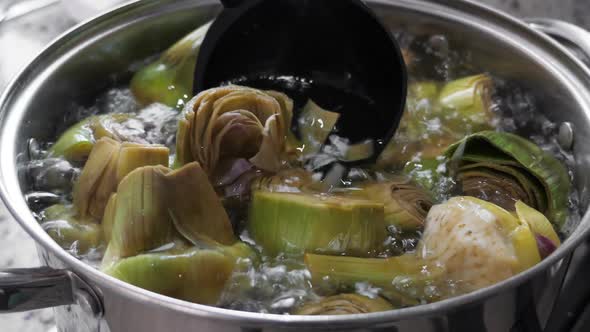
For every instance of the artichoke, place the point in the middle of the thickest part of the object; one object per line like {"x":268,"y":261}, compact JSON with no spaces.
{"x":234,"y":122}
{"x":344,"y":304}
{"x":467,"y":244}
{"x":505,"y":168}
{"x":467,"y":102}
{"x":478,"y":243}
{"x":195,"y":275}
{"x":72,"y":233}
{"x":108,"y":163}
{"x":169,"y":80}
{"x":437,"y":115}
{"x":406,"y":205}
{"x":154,"y":205}
{"x":76,"y":143}
{"x":298,"y":223}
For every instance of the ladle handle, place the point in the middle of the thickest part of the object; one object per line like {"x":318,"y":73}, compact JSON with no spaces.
{"x":231,"y":3}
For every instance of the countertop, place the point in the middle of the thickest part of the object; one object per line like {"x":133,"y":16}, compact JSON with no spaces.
{"x":22,"y":38}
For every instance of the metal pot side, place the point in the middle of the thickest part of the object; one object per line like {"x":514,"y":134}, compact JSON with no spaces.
{"x":103,"y":51}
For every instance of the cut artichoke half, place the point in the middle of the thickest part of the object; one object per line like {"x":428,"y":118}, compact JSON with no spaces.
{"x":295,"y":223}
{"x":344,"y":304}
{"x":517,"y":169}
{"x":195,"y":275}
{"x":70,"y":232}
{"x":234,"y":122}
{"x":154,"y":205}
{"x":108,"y":163}
{"x":406,"y":205}
{"x":169,"y":80}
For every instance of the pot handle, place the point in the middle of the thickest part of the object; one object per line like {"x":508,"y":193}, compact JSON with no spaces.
{"x":574,"y":38}
{"x":43,"y":287}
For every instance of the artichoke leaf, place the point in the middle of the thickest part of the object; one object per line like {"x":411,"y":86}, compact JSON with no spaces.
{"x":344,"y":304}
{"x":271,"y":146}
{"x":141,"y":221}
{"x":295,"y":223}
{"x":100,"y":161}
{"x":108,"y":163}
{"x":524,"y":156}
{"x":109,"y":217}
{"x":195,"y":209}
{"x":315,"y":125}
{"x":537,"y":222}
{"x":501,"y":188}
{"x":154,"y":205}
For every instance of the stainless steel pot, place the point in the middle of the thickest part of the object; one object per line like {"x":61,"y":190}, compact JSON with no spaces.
{"x":100,"y":53}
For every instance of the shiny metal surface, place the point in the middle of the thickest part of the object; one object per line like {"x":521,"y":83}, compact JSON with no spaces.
{"x":44,"y":287}
{"x":572,"y":36}
{"x":99,"y":54}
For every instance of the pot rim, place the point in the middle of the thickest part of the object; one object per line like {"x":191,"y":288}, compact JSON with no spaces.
{"x":13,"y":199}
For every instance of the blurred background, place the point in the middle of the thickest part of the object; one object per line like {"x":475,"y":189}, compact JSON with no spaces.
{"x":27,"y":26}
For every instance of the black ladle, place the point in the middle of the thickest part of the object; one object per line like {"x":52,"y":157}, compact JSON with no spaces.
{"x":335,"y":52}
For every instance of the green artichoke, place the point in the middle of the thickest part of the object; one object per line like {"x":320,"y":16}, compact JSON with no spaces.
{"x":296,"y":223}
{"x":505,"y":168}
{"x":169,"y":80}
{"x":195,"y":275}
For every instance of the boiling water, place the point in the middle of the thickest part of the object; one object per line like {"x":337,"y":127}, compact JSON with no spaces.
{"x":280,"y":283}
